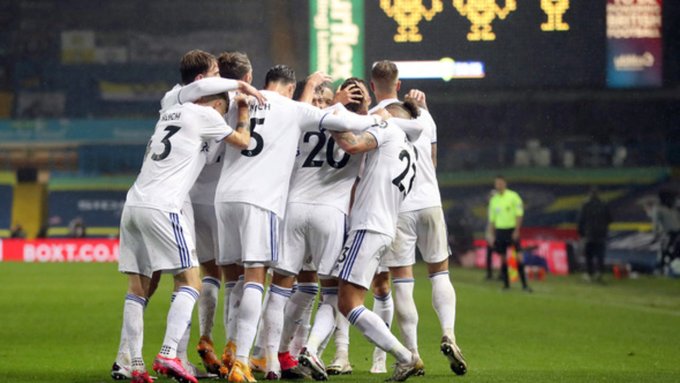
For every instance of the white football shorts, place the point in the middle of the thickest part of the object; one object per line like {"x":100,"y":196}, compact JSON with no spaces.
{"x":313,"y":236}
{"x":153,"y":240}
{"x":247,"y":234}
{"x":206,"y":232}
{"x":424,"y":228}
{"x":360,"y":257}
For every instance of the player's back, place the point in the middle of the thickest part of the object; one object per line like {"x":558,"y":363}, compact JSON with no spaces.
{"x":260,"y":174}
{"x":323,"y":173}
{"x":425,"y":192}
{"x":173,"y":158}
{"x":388,"y":177}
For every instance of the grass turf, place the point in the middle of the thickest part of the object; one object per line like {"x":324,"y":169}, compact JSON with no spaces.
{"x":61,"y":323}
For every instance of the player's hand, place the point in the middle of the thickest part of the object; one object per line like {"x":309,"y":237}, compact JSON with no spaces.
{"x":349,"y":95}
{"x":317,"y":78}
{"x":250,"y":90}
{"x":418,"y":97}
{"x":515,"y":234}
{"x":241,"y":100}
{"x":382,"y":113}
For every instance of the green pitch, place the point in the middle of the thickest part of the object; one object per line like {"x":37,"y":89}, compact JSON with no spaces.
{"x":61,"y":323}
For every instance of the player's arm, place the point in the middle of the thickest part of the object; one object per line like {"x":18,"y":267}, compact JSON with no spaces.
{"x":314,"y":80}
{"x":519,"y":215}
{"x":418,"y":97}
{"x":214,"y":85}
{"x":240,"y":137}
{"x":353,"y":143}
{"x":434,"y":155}
{"x":345,"y":122}
{"x":412,"y":128}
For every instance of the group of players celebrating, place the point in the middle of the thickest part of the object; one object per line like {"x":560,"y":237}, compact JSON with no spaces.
{"x":318,"y":191}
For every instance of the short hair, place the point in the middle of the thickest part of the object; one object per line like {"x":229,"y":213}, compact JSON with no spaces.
{"x":353,"y":106}
{"x":384,"y":74}
{"x":407,"y":109}
{"x":299,"y":89}
{"x":234,"y":65}
{"x":193,"y":63}
{"x":324,"y":85}
{"x":280,"y":73}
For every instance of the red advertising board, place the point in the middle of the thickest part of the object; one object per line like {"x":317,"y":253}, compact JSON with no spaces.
{"x":59,"y":250}
{"x":554,"y":253}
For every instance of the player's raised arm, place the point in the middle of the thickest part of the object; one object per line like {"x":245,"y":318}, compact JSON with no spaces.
{"x":312,"y":82}
{"x":241,"y":135}
{"x":412,"y":128}
{"x":344,"y":122}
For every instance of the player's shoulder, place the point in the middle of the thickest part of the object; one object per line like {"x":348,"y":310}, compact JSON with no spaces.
{"x":200,"y":114}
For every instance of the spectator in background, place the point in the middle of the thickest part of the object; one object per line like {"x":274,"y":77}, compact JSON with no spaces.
{"x":42,"y":232}
{"x":505,"y":220}
{"x":77,"y":228}
{"x":18,"y":231}
{"x":666,"y":220}
{"x":593,"y":226}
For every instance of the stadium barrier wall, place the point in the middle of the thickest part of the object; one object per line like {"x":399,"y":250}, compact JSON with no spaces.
{"x":59,"y":250}
{"x":553,"y":252}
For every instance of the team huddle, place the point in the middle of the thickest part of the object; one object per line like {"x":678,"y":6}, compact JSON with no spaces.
{"x":316,"y":191}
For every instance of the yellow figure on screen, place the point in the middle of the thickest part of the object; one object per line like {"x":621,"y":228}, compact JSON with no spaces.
{"x":408,"y":14}
{"x":555,"y":9}
{"x":481,"y":13}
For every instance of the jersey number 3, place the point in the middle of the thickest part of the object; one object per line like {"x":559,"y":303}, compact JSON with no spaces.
{"x":167,"y":146}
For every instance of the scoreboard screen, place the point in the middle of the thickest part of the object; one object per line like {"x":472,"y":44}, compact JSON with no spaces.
{"x":496,"y":43}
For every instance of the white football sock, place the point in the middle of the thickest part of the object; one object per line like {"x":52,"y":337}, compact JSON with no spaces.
{"x":207,"y":305}
{"x":260,"y":346}
{"x":444,"y":302}
{"x":297,"y":316}
{"x":383,"y":306}
{"x":324,"y":323}
{"x":407,"y":313}
{"x":341,"y":336}
{"x":231,"y":310}
{"x":133,"y":326}
{"x":272,"y":320}
{"x":374,"y":329}
{"x":248,"y":318}
{"x":179,"y":316}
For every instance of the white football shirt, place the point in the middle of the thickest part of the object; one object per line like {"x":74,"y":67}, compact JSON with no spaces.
{"x":260,"y":175}
{"x":173,"y":159}
{"x":388,"y":176}
{"x":425,"y":191}
{"x":323,"y":172}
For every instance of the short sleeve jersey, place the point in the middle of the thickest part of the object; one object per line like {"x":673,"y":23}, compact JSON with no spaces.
{"x":173,"y":159}
{"x":504,"y":209}
{"x":323,"y":173}
{"x":388,"y":176}
{"x":260,"y":175}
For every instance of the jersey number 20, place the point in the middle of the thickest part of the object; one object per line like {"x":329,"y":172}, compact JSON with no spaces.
{"x":310,"y":162}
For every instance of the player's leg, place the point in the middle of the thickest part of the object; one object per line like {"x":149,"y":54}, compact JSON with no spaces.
{"x":280,"y":291}
{"x":207,"y":249}
{"x":167,"y":362}
{"x":520,"y":265}
{"x":383,"y":306}
{"x":324,"y":323}
{"x":350,"y":304}
{"x":133,"y":320}
{"x":357,"y":268}
{"x":405,"y":307}
{"x":300,"y":306}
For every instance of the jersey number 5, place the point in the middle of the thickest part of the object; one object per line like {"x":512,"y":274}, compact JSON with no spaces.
{"x":166,"y":142}
{"x":259,"y":141}
{"x":399,"y":181}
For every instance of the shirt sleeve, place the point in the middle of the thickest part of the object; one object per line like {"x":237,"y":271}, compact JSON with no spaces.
{"x":492,"y":212}
{"x":426,"y":120}
{"x":412,"y":128}
{"x":212,"y":126}
{"x":346,"y":121}
{"x":519,"y":206}
{"x":205,"y":87}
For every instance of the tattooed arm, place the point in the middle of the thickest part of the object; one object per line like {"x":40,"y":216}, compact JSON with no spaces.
{"x":355,"y":143}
